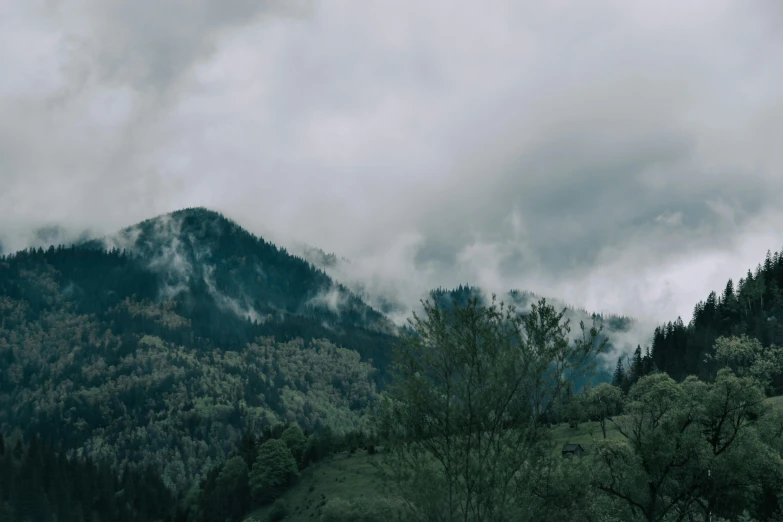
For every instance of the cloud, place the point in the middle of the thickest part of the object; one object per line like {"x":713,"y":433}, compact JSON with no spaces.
{"x":332,"y":299}
{"x":621,"y":156}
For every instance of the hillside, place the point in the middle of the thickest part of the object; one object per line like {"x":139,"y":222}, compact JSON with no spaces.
{"x":165,"y":347}
{"x":346,"y":478}
{"x":176,"y":348}
{"x":202,"y":251}
{"x":754,"y":307}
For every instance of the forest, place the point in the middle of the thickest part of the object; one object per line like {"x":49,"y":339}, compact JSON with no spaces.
{"x":186,"y":370}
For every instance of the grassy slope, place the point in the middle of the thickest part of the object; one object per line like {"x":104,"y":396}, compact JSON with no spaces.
{"x":339,"y":476}
{"x":350,"y":476}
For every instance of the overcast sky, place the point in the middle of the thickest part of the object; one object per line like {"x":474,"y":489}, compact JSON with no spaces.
{"x":622,"y":156}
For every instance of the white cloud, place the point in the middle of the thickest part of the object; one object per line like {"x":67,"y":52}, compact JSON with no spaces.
{"x":623,"y":156}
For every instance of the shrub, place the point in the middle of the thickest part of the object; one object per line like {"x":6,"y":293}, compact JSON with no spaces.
{"x":279,"y":510}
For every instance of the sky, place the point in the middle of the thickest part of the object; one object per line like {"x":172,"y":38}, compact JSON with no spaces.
{"x":621,"y":156}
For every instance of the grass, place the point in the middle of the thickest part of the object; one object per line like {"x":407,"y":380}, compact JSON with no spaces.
{"x":585,"y":434}
{"x":350,"y":476}
{"x":343,"y":476}
{"x":776,"y":402}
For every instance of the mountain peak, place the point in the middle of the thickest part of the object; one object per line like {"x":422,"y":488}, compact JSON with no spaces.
{"x":198,"y":251}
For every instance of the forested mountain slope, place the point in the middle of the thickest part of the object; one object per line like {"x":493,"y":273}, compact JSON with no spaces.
{"x":202,"y":251}
{"x":166,"y":347}
{"x":754,"y":307}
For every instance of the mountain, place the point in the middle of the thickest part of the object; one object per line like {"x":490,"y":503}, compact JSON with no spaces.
{"x":163,"y":343}
{"x":205,"y":252}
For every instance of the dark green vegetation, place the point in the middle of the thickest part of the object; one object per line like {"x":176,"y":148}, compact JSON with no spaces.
{"x":156,"y":354}
{"x":523,"y":300}
{"x":753,"y":308}
{"x":261,"y":469}
{"x":40,"y":482}
{"x":187,"y":370}
{"x":466,"y":433}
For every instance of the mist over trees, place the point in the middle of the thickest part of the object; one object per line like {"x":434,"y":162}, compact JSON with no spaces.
{"x":462,"y":426}
{"x":192,"y":372}
{"x":465,"y":438}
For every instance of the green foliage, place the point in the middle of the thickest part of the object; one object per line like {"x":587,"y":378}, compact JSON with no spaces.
{"x":618,"y":378}
{"x":279,"y":511}
{"x":690,"y":449}
{"x":41,"y":483}
{"x":232,"y":489}
{"x":460,"y":427}
{"x":273,"y":471}
{"x":166,"y":351}
{"x":603,"y":402}
{"x":753,"y":308}
{"x":522,"y":300}
{"x":295,"y":440}
{"x":640,"y":365}
{"x":746,"y":357}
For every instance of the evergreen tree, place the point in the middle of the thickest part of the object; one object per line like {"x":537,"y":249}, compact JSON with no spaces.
{"x":618,"y":379}
{"x":247,"y":448}
{"x":637,"y":364}
{"x":647,"y":363}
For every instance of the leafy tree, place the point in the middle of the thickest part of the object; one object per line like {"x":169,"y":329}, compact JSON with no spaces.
{"x":461,"y":425}
{"x":569,"y":407}
{"x":279,"y":511}
{"x":273,"y":471}
{"x":603,"y":402}
{"x":295,"y":439}
{"x":688,"y":449}
{"x":746,"y":357}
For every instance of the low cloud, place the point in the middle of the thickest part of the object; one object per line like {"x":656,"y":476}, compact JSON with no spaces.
{"x":333,"y":299}
{"x":621,"y":156}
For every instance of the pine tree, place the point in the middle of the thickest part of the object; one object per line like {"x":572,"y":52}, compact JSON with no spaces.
{"x":619,"y":374}
{"x":710,"y":307}
{"x":659,"y":349}
{"x":636,"y":364}
{"x":728,"y":293}
{"x":647,"y":363}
